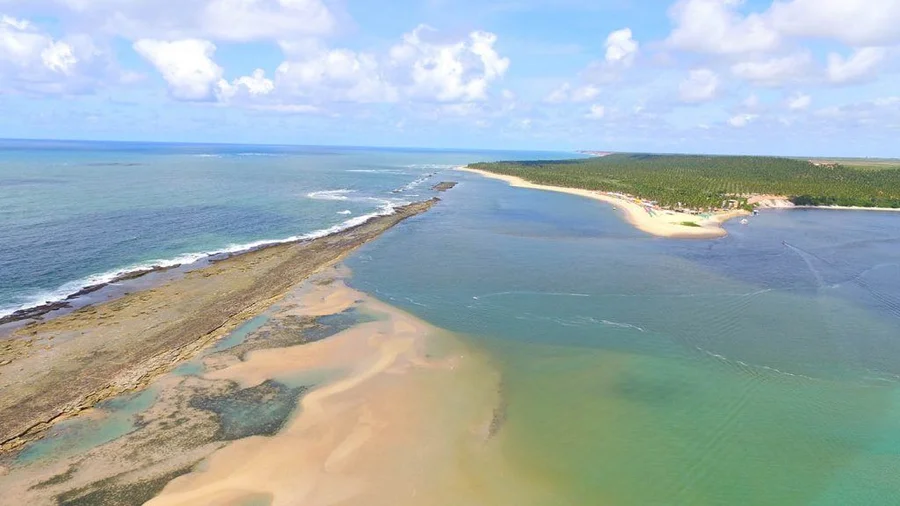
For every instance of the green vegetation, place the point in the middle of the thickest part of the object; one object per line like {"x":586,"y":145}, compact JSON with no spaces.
{"x":700,"y":181}
{"x":690,"y":224}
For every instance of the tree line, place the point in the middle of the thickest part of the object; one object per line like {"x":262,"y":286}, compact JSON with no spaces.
{"x":701,"y":181}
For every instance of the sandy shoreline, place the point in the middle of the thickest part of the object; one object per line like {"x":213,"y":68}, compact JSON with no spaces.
{"x":53,"y":370}
{"x":385,"y":410}
{"x":661,"y":224}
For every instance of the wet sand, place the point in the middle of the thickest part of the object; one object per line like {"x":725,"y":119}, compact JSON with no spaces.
{"x":401,"y":423}
{"x":662,"y":224}
{"x":51,"y":371}
{"x":387,"y":411}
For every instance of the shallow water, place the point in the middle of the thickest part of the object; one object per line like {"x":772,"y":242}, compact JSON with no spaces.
{"x":110,"y":420}
{"x":762,"y":368}
{"x":648,"y":371}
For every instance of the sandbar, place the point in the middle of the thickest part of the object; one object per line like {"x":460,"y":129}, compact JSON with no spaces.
{"x":659,"y":223}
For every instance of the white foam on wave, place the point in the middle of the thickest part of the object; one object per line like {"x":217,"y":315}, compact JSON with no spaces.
{"x":386,"y":208}
{"x":345,"y":212}
{"x":414,"y":184}
{"x":207,"y":155}
{"x":331,"y":194}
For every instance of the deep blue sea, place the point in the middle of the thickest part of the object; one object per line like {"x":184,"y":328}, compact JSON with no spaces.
{"x":74,"y":214}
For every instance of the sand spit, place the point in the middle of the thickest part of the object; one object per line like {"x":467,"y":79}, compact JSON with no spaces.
{"x":53,"y":370}
{"x":386,"y":410}
{"x":405,"y":420}
{"x":661,"y":224}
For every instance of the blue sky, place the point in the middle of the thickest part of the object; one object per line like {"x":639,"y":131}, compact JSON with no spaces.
{"x":785,"y":77}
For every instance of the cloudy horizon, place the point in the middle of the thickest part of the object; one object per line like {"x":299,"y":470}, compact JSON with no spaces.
{"x":785,"y":77}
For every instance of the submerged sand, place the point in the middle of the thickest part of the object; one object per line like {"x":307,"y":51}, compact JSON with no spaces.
{"x":661,"y":224}
{"x":394,"y":411}
{"x":407,"y":421}
{"x":53,"y":370}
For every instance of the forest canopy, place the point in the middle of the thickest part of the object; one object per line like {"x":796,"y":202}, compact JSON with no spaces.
{"x":701,"y":181}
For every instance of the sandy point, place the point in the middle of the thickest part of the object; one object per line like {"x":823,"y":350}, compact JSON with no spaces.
{"x":661,"y":224}
{"x":400,"y":421}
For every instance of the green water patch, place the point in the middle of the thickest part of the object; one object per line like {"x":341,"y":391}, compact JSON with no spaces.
{"x":111,"y":492}
{"x":118,"y":417}
{"x":192,"y":368}
{"x":257,"y":411}
{"x":327,"y":326}
{"x":238,"y":336}
{"x":611,"y":427}
{"x":291,"y":330}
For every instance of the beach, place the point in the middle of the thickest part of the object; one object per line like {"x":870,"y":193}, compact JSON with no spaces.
{"x":661,"y":223}
{"x":53,"y":370}
{"x":353,"y":399}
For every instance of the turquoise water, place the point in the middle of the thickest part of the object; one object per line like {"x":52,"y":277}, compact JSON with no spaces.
{"x":113,"y":419}
{"x":762,"y":368}
{"x":238,"y":335}
{"x":758,"y":369}
{"x":77,"y":213}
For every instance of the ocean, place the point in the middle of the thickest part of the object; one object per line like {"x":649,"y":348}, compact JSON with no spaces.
{"x":761,"y":368}
{"x":76,"y":214}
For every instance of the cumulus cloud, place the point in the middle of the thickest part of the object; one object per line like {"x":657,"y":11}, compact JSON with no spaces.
{"x":701,"y":85}
{"x":775,"y":71}
{"x":854,"y":22}
{"x":566,"y":93}
{"x":186,"y":65}
{"x":742,"y":120}
{"x":716,"y":27}
{"x":336,"y":75}
{"x":34,"y":61}
{"x":859,"y":66}
{"x":448,"y":71}
{"x":254,"y":85}
{"x":621,"y":48}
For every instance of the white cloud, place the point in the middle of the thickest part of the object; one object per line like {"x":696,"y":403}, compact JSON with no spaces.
{"x":799,"y":102}
{"x":775,"y":71}
{"x":59,"y":57}
{"x":716,"y":27}
{"x":448,"y":71}
{"x":566,"y":93}
{"x":186,"y":65}
{"x":254,"y":85}
{"x":702,"y":85}
{"x":621,"y":48}
{"x":861,"y":65}
{"x":32,"y":60}
{"x":742,"y":120}
{"x":336,"y":75}
{"x":854,"y":22}
{"x":596,"y":112}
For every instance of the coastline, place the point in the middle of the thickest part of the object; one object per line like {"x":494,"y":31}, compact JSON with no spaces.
{"x":667,"y":224}
{"x":53,"y":370}
{"x":70,"y":296}
{"x":303,"y":408}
